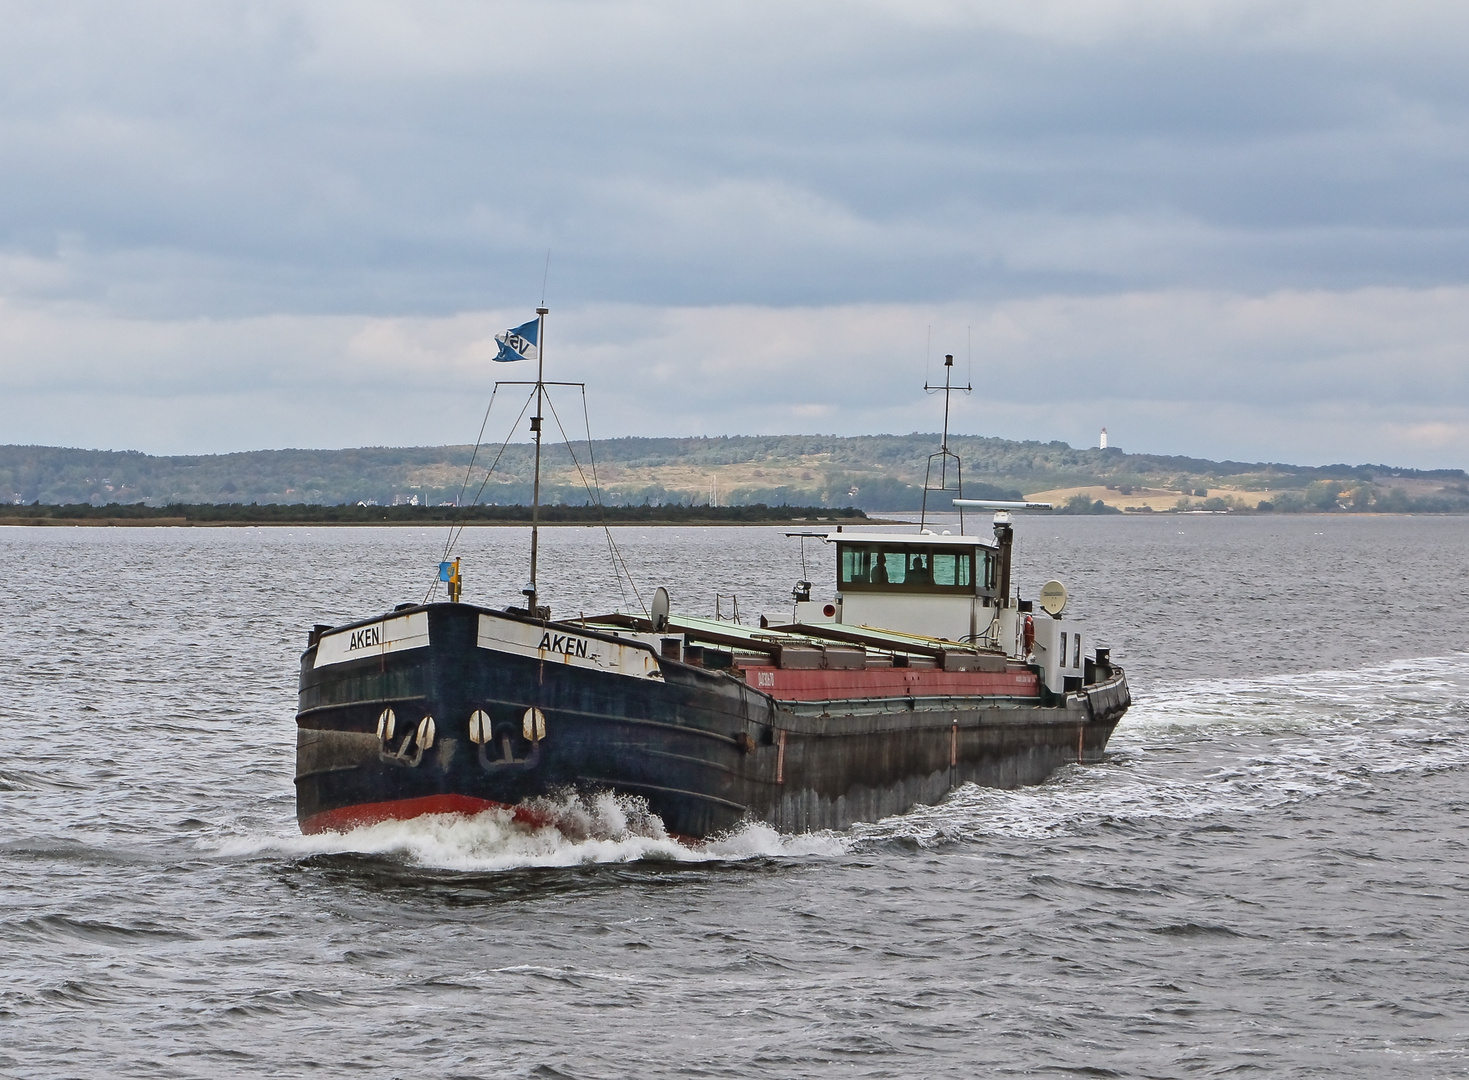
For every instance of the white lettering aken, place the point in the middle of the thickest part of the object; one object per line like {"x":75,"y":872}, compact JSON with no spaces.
{"x":375,"y":639}
{"x":564,"y":644}
{"x":551,"y":646}
{"x":366,"y":637}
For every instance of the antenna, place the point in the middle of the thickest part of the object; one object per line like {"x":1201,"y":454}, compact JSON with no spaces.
{"x":546,"y":273}
{"x":997,"y":504}
{"x":944,"y":453}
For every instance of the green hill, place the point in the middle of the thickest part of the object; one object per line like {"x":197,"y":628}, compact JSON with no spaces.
{"x":874,"y":472}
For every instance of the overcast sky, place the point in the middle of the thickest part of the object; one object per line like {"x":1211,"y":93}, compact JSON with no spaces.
{"x":1227,"y":229}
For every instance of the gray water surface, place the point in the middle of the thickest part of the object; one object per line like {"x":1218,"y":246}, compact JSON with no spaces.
{"x":1268,"y":876}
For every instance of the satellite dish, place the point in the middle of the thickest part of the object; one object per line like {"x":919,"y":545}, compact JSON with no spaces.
{"x":1053,"y":597}
{"x":660,"y":609}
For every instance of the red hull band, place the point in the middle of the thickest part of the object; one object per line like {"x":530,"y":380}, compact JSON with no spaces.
{"x":346,"y":818}
{"x":823,"y":684}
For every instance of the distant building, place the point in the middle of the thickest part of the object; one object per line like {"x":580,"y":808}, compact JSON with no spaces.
{"x":1103,"y":443}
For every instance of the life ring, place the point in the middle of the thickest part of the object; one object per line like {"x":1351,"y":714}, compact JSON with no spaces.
{"x":1028,"y":636}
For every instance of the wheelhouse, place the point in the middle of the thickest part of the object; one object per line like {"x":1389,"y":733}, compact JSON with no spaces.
{"x":942,"y":566}
{"x":938,"y":586}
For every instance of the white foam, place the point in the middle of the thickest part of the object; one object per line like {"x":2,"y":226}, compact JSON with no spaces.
{"x":580,"y":829}
{"x":1222,"y":746}
{"x":1301,"y":702}
{"x":755,"y":839}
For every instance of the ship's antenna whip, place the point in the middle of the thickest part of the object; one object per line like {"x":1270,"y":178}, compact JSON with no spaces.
{"x":597,"y":484}
{"x":468,"y":472}
{"x":455,"y":532}
{"x":479,"y":440}
{"x":544,"y":275}
{"x":594,"y":490}
{"x":944,"y":453}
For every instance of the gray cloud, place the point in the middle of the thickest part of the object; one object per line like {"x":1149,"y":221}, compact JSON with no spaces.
{"x":216,"y":202}
{"x":347,"y":156}
{"x":1303,"y":376}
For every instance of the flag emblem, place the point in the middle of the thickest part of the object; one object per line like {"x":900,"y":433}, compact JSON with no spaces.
{"x":518,"y":344}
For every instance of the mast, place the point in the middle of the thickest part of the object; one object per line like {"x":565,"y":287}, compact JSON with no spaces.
{"x":944,"y":453}
{"x":535,"y":426}
{"x":944,"y":439}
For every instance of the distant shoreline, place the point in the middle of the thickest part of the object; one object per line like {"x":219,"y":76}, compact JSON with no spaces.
{"x":183,"y":523}
{"x":177,"y":522}
{"x":210,"y":515}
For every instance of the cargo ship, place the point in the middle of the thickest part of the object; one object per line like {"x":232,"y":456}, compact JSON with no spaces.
{"x":916,"y":669}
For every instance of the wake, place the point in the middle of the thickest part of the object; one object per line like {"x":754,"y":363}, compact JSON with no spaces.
{"x":570,"y":829}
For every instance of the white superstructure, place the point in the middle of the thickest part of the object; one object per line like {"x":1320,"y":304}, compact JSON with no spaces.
{"x":937,"y":586}
{"x":949,"y":588}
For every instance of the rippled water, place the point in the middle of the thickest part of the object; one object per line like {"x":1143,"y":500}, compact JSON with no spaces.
{"x":1268,"y":876}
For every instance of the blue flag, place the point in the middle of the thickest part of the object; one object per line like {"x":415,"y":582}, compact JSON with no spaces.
{"x":518,"y":344}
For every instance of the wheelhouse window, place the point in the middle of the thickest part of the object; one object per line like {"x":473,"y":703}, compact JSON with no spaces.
{"x":949,"y":568}
{"x":908,"y":568}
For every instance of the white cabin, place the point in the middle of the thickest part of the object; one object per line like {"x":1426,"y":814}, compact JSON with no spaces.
{"x":937,"y":586}
{"x":952,"y":588}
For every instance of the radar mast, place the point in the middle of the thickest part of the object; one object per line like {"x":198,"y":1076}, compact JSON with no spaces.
{"x":944,"y":453}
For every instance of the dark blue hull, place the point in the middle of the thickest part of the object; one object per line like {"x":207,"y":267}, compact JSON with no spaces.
{"x":705,"y":749}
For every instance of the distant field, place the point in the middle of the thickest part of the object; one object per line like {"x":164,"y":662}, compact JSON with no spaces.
{"x":1152,"y":499}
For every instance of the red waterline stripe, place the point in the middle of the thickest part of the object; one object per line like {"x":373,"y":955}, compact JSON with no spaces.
{"x":345,"y":818}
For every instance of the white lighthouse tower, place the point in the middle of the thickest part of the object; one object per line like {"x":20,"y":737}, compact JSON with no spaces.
{"x":1103,"y":443}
